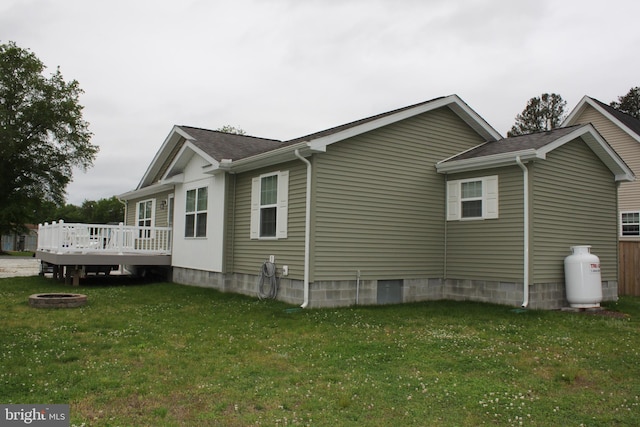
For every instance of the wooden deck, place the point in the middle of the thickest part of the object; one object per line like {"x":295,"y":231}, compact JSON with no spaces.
{"x":76,"y":246}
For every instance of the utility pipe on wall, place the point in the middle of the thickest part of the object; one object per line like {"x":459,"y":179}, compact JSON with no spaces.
{"x":307,"y":229}
{"x":525,"y":186}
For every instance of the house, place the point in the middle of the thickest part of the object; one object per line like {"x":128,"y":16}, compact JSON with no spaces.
{"x":424,"y":202}
{"x":622,"y":131}
{"x":25,"y":241}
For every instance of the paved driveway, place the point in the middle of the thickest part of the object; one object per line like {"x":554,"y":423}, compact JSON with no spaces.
{"x":12,"y":266}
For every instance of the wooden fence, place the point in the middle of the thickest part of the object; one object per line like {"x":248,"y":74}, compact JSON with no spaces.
{"x":629,"y":268}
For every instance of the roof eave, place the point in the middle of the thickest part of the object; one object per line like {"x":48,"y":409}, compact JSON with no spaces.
{"x":146,"y":191}
{"x":269,"y":158}
{"x":452,"y":101}
{"x":487,"y":162}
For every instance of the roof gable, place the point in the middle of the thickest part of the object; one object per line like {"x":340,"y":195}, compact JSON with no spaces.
{"x":319,"y":140}
{"x":535,"y":146}
{"x":625,"y":122}
{"x":213,"y":146}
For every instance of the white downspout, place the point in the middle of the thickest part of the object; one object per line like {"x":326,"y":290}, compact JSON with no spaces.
{"x":307,"y":229}
{"x":525,"y":186}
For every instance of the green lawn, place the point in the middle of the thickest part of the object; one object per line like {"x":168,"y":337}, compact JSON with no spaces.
{"x":168,"y":355}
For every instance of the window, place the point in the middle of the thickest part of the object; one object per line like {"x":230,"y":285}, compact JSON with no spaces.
{"x":145,"y":217}
{"x":269,"y":206}
{"x":195,"y":224}
{"x":630,"y":223}
{"x":475,"y":198}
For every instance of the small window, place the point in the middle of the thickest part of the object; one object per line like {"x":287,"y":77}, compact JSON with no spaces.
{"x":630,"y":224}
{"x":195,"y":224}
{"x":471,"y":199}
{"x":269,"y":205}
{"x":475,"y":198}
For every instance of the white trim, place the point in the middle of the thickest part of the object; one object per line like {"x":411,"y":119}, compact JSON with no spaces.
{"x":580,"y":107}
{"x":165,"y":149}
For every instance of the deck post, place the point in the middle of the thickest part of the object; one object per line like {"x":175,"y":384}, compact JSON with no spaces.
{"x":120,"y":237}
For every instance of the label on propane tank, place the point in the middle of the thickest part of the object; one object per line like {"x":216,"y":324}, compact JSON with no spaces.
{"x":595,"y":267}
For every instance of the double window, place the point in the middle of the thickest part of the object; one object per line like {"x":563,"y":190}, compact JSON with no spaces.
{"x":269,"y":205}
{"x":195,"y":224}
{"x":630,"y":224}
{"x":475,"y":198}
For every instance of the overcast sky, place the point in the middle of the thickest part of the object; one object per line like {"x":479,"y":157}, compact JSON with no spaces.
{"x":285,"y":68}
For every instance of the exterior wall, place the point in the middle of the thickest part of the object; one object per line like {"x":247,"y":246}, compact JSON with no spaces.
{"x":573,"y":198}
{"x":203,"y":253}
{"x":627,"y":148}
{"x":379,"y":204}
{"x":161,"y":214}
{"x":246,"y":255}
{"x":489,"y":249}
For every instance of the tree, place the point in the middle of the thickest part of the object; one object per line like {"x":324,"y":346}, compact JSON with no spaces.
{"x":540,"y":114}
{"x":42,"y":136}
{"x":231,"y":129}
{"x":630,"y":103}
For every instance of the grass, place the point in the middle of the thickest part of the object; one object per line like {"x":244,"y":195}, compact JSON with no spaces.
{"x":17,"y":253}
{"x":168,"y":355}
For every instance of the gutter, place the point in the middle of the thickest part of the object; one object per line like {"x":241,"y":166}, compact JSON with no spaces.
{"x":307,"y":229}
{"x":525,"y":186}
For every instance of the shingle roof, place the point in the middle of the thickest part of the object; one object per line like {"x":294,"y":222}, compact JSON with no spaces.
{"x":221,"y":145}
{"x":629,"y":121}
{"x":346,"y":126}
{"x":516,"y":143}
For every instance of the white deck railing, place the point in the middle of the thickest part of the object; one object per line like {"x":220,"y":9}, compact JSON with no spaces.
{"x":60,"y":237}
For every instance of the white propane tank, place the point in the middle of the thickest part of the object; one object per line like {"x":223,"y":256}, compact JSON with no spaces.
{"x":582,"y":276}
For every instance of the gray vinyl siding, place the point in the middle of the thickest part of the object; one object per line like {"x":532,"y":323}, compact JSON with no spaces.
{"x":379,"y":203}
{"x":626,"y":147}
{"x":490,"y":249}
{"x":160,"y":215}
{"x":574,"y":200}
{"x":247,"y":255}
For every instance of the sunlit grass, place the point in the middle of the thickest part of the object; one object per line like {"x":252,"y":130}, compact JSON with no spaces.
{"x":164,"y":354}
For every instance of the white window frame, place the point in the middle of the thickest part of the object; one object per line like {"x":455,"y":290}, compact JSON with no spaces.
{"x":282,"y":206}
{"x":622,"y":213}
{"x":489,"y":198}
{"x":146,"y":234}
{"x":196,"y":213}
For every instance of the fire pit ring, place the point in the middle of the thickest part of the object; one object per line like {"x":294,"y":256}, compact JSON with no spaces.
{"x":57,"y":300}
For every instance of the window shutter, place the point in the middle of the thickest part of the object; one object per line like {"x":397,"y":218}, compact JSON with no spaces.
{"x":255,"y":208}
{"x":283,"y":205}
{"x":453,"y":200}
{"x":491,"y":199}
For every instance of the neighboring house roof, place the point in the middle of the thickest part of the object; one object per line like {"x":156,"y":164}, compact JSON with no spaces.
{"x":535,"y":146}
{"x":627,"y":123}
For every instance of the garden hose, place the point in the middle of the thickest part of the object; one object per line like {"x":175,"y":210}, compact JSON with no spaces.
{"x":268,"y":282}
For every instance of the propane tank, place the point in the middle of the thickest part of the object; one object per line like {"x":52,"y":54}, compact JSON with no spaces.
{"x":582,"y":276}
